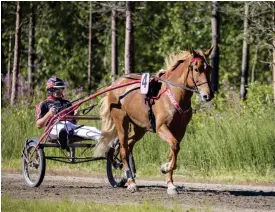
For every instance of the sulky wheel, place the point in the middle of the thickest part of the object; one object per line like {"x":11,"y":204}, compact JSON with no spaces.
{"x":34,"y":165}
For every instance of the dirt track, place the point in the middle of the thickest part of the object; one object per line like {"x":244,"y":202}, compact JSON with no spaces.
{"x":217,"y":197}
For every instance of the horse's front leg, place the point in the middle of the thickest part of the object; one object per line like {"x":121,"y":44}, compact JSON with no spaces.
{"x":166,"y":135}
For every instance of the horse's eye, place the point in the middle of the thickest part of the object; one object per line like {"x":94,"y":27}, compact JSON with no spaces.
{"x":196,"y":70}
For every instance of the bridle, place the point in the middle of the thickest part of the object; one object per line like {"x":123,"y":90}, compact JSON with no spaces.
{"x":190,"y":68}
{"x":196,"y":85}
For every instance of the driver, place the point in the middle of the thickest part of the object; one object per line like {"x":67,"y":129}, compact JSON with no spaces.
{"x":54,"y":104}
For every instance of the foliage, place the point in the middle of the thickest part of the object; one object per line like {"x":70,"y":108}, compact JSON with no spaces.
{"x":160,"y":28}
{"x":226,"y":137}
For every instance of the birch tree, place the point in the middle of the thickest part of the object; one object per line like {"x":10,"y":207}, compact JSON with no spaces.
{"x":114,"y":45}
{"x":245,"y":56}
{"x":129,"y":39}
{"x":90,"y":48}
{"x":16,"y":60}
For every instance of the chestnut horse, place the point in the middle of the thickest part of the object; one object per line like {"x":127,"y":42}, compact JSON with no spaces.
{"x":186,"y":73}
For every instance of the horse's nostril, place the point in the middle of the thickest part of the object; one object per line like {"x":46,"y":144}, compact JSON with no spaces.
{"x":206,"y":97}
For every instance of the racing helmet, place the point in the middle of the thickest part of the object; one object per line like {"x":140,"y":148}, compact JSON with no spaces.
{"x":54,"y":83}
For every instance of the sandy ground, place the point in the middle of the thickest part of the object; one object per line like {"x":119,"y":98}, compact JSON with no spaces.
{"x":217,"y":197}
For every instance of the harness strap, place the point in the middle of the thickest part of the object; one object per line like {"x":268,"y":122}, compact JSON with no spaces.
{"x":150,"y":100}
{"x":174,"y":102}
{"x":159,"y":95}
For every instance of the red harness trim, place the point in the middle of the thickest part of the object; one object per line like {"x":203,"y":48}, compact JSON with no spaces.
{"x":151,"y":100}
{"x":196,"y":59}
{"x":159,"y":95}
{"x":174,"y":102}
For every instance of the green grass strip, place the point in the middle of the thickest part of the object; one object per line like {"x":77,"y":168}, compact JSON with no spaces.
{"x":15,"y":205}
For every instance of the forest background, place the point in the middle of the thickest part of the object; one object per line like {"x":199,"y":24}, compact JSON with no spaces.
{"x":88,"y":44}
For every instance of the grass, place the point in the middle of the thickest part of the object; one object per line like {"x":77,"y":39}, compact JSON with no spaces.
{"x":229,"y":141}
{"x":9,"y":204}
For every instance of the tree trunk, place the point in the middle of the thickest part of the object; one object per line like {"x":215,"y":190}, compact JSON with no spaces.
{"x":273,"y":62}
{"x":16,"y":60}
{"x":254,"y":64}
{"x":114,"y":45}
{"x":215,"y":41}
{"x":31,"y":48}
{"x":9,"y":69}
{"x":90,"y":49}
{"x":244,"y":74}
{"x":129,"y":39}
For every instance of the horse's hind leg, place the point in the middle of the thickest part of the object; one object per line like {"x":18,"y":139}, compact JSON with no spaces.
{"x":166,"y":135}
{"x":135,"y":135}
{"x":122,"y":125}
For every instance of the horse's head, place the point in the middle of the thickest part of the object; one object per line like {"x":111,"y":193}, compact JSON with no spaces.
{"x":199,"y":72}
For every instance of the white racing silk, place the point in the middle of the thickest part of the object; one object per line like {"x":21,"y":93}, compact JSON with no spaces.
{"x":85,"y":132}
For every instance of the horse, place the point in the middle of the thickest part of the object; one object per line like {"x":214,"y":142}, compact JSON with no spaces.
{"x":186,"y":72}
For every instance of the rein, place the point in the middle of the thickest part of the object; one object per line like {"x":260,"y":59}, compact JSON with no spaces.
{"x":194,"y":90}
{"x":168,"y":82}
{"x":178,"y":85}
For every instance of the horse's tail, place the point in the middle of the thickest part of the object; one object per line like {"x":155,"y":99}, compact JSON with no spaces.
{"x":109,"y":132}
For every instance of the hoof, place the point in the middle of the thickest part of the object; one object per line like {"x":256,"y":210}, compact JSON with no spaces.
{"x":132,"y":187}
{"x":165,"y":168}
{"x":172,"y":191}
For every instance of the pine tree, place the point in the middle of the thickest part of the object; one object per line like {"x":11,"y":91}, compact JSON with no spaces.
{"x":215,"y":41}
{"x":31,"y":50}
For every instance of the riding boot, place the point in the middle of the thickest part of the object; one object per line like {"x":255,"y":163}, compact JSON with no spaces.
{"x":63,"y":138}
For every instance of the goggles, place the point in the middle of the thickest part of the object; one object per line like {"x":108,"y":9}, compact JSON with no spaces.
{"x":58,"y":89}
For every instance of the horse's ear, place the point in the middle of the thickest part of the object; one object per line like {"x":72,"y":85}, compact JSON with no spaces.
{"x":208,"y":52}
{"x":192,"y":51}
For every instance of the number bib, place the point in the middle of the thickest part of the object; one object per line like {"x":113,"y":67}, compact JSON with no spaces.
{"x":144,"y":83}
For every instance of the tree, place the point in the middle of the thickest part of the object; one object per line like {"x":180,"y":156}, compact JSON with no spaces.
{"x":215,"y":23}
{"x":31,"y":50}
{"x":273,"y":58}
{"x":245,"y":56}
{"x":62,"y":33}
{"x":9,"y":68}
{"x":90,"y":47}
{"x":16,"y":60}
{"x":129,"y":39}
{"x":114,"y":69}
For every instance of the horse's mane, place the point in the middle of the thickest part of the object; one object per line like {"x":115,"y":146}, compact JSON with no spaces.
{"x":172,"y":61}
